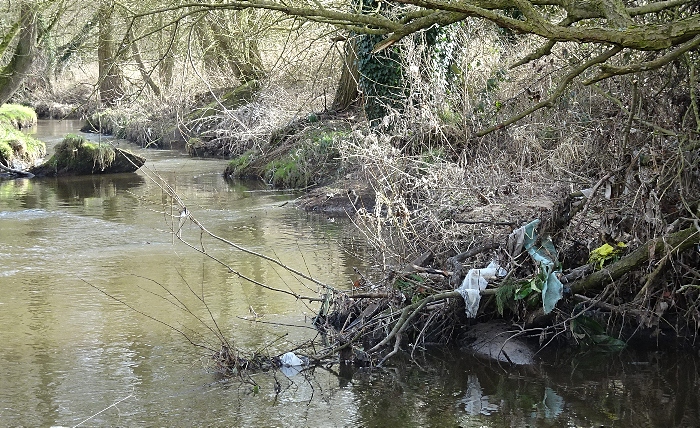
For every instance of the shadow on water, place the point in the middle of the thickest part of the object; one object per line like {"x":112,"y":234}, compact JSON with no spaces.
{"x":100,"y":196}
{"x":70,"y":190}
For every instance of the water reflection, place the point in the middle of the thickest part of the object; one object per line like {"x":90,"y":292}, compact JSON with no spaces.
{"x":452,"y":389}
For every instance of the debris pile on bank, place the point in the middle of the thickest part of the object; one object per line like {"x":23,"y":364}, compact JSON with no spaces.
{"x":600,"y":266}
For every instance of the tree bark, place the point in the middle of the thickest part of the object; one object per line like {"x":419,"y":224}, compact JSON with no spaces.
{"x":347,"y":94}
{"x":145,"y":75}
{"x":16,"y":71}
{"x":244,"y":60}
{"x":66,"y":51}
{"x":111,"y":82}
{"x":166,"y":49}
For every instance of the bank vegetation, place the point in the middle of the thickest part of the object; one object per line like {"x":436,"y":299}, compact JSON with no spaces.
{"x":534,"y":161}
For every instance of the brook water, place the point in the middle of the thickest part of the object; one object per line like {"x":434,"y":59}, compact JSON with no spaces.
{"x":88,"y":331}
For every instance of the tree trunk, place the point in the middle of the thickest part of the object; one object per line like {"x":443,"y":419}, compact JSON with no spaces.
{"x":243,"y":60}
{"x":347,"y":94}
{"x":225,"y":51}
{"x":110,"y":77}
{"x":16,"y":71}
{"x":66,"y":51}
{"x":166,"y":49}
{"x":136,"y":54}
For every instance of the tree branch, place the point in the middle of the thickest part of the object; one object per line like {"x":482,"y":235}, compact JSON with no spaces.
{"x":611,"y":70}
{"x":677,"y":242}
{"x":563,"y":83}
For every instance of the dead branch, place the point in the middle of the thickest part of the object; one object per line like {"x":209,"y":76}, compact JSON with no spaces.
{"x":609,"y":70}
{"x":590,"y":198}
{"x":609,"y":307}
{"x":186,"y":215}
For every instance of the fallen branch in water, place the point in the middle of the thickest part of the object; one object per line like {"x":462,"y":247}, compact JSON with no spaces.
{"x":17,"y":172}
{"x":184,"y":215}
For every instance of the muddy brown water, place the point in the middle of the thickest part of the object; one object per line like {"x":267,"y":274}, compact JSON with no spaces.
{"x":72,"y":356}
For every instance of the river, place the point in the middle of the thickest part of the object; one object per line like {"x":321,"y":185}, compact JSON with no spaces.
{"x":91,"y":333}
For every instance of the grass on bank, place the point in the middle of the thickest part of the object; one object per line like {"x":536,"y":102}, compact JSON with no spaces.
{"x":295,"y":160}
{"x":17,"y":116}
{"x":17,"y":149}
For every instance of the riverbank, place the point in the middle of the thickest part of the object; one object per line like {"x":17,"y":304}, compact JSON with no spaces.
{"x":438,"y":208}
{"x":18,"y":151}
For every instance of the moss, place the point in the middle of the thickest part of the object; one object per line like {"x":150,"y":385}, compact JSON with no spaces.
{"x":17,"y":116}
{"x":316,"y":158}
{"x":240,"y":166}
{"x":286,"y":172}
{"x":6,"y":152}
{"x":297,"y":157}
{"x":18,"y":149}
{"x":80,"y":156}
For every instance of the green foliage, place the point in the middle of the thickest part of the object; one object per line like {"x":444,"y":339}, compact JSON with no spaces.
{"x":413,"y":286}
{"x":304,"y":166}
{"x":17,"y":116}
{"x":404,"y":283}
{"x":445,"y":48}
{"x":238,"y":166}
{"x":381,"y":78}
{"x":505,"y":295}
{"x":16,"y":146}
{"x":493,"y":83}
{"x":591,"y":334}
{"x":531,"y":287}
{"x":307,"y":158}
{"x":286,"y":172}
{"x":528,"y":291}
{"x":381,"y":74}
{"x":6,"y":152}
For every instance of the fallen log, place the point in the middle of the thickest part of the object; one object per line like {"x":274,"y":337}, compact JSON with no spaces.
{"x":17,"y":172}
{"x":674,"y":242}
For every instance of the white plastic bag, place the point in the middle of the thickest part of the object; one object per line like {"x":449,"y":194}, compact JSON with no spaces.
{"x":475,"y":282}
{"x":290,"y":359}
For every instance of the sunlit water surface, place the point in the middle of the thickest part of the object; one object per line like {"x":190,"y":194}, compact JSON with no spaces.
{"x":92,"y":330}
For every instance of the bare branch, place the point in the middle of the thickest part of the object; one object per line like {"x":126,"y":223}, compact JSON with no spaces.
{"x":611,"y":70}
{"x":563,"y":83}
